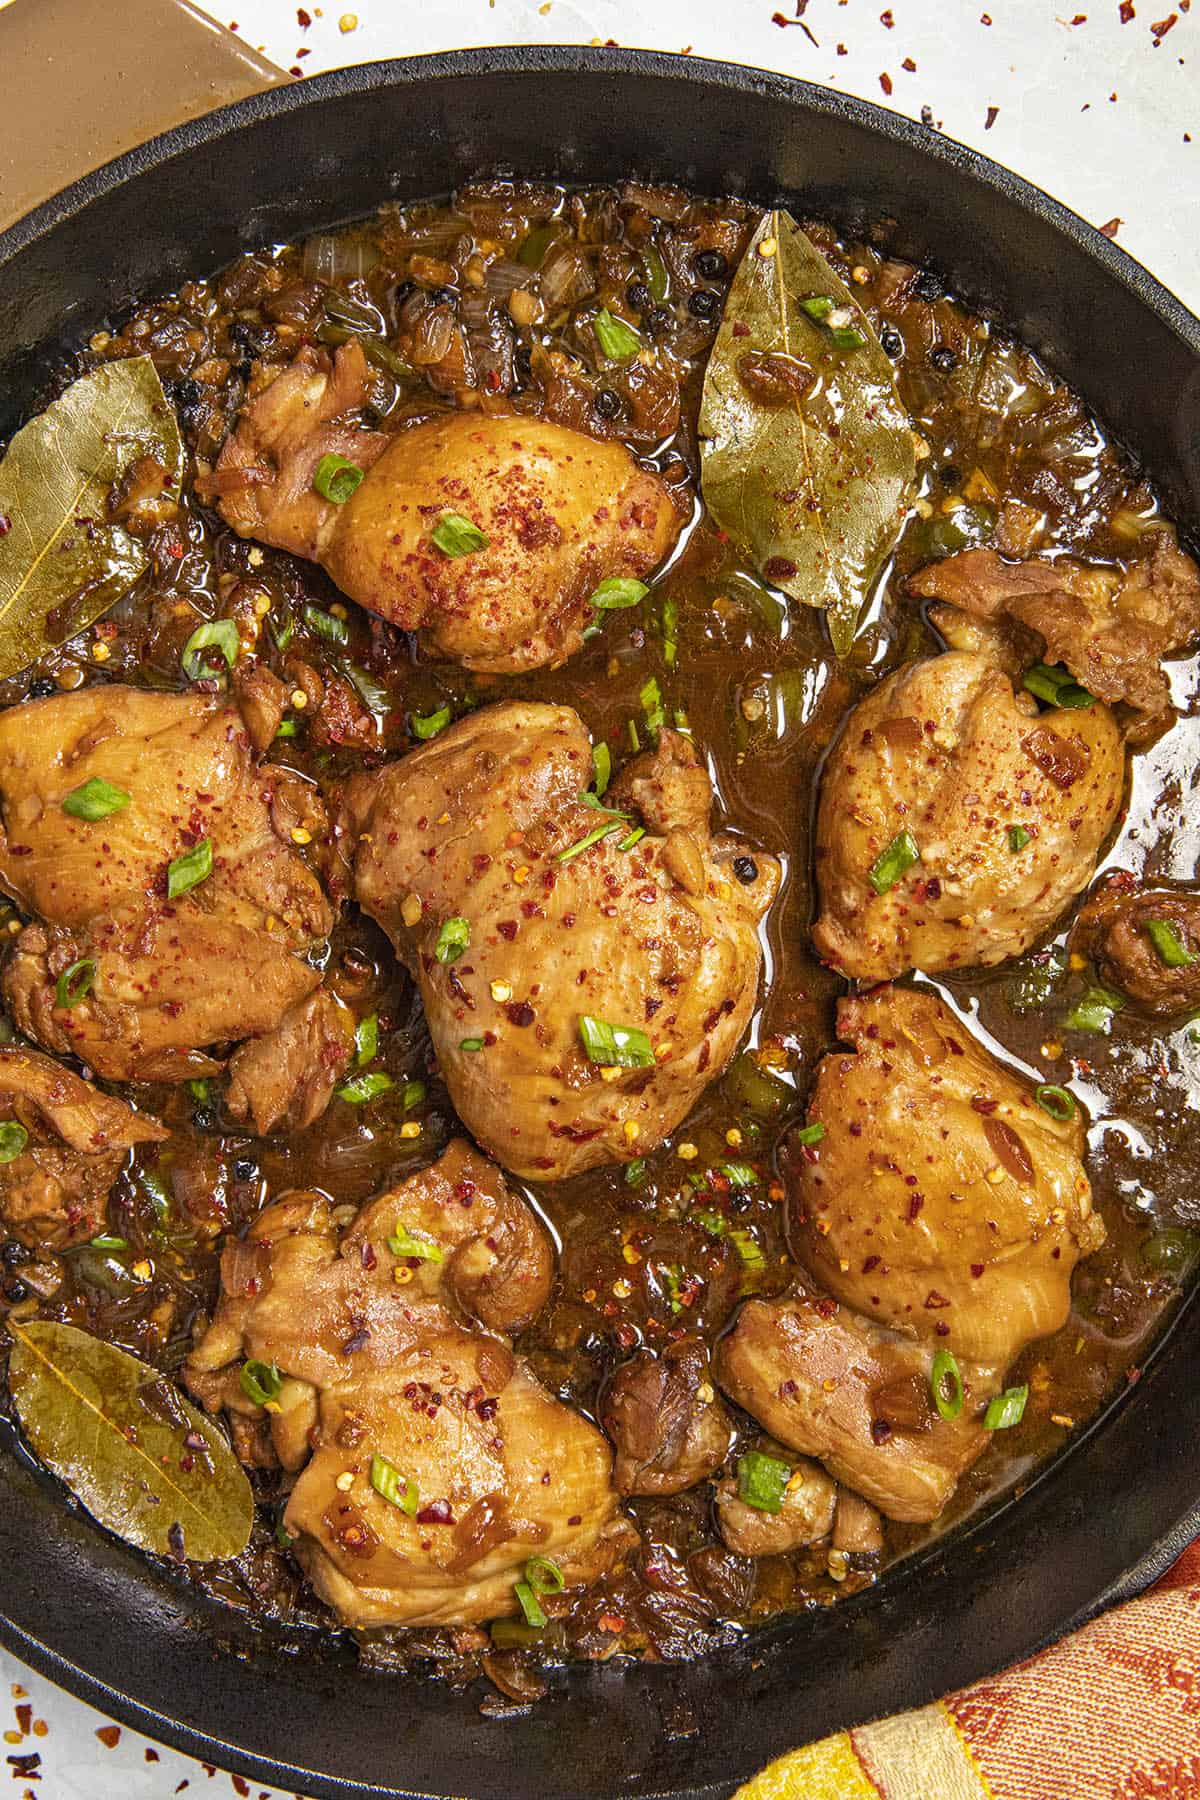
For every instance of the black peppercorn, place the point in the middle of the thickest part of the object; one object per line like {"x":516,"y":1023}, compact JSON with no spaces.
{"x":524,"y":364}
{"x":444,"y":296}
{"x":245,"y":1169}
{"x":949,"y":475}
{"x":12,"y":1253}
{"x":660,"y":320}
{"x":710,"y":265}
{"x":607,"y":404}
{"x":639,"y":296}
{"x":15,"y":1290}
{"x":704,"y":304}
{"x":187,"y":391}
{"x":42,"y":688}
{"x":204,"y":1118}
{"x":928,"y":286}
{"x":746,"y":870}
{"x":245,"y":337}
{"x":891,"y":341}
{"x":943,"y":359}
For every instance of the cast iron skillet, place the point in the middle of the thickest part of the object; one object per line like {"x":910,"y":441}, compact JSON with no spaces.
{"x":1123,"y":1499}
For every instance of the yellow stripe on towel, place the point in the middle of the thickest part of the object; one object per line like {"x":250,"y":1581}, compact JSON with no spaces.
{"x":829,"y":1770}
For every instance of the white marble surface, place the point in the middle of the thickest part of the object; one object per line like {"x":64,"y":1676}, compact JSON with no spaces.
{"x":1102,"y":111}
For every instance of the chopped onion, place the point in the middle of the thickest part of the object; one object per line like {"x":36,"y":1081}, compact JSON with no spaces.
{"x":566,"y":276}
{"x":334,"y":256}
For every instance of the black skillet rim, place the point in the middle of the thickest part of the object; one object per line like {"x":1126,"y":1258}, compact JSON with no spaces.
{"x":1161,"y":1413}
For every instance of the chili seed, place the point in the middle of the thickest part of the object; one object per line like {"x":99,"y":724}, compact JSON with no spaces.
{"x":607,"y":404}
{"x":710,"y":265}
{"x":704,"y":304}
{"x":639,"y":296}
{"x":746,"y":870}
{"x":943,"y":359}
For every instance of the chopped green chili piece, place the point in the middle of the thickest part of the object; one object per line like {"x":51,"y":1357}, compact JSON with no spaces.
{"x":190,"y":869}
{"x":762,"y":1481}
{"x":617,"y":592}
{"x":326,"y":625}
{"x":260,"y":1382}
{"x":817,"y":306}
{"x":1018,"y":837}
{"x":1168,"y":943}
{"x":1007,"y":1409}
{"x":75,"y":983}
{"x":96,"y":799}
{"x":810,"y":1134}
{"x":740,"y":1174}
{"x":601,"y":768}
{"x":214,"y":634}
{"x":945,"y":1384}
{"x":635,"y":1172}
{"x":1095,"y":1011}
{"x":201,"y":1091}
{"x":470,"y":1044}
{"x":104,"y":1242}
{"x":615,"y":1046}
{"x":361,"y":1088}
{"x":670,"y":629}
{"x":452,"y":940}
{"x":848,"y":337}
{"x":366,"y":1040}
{"x":617,"y":340}
{"x":414,"y":1093}
{"x":529,"y":1605}
{"x":336,"y":477}
{"x":427,"y":725}
{"x":287,"y":728}
{"x":892,"y":863}
{"x":388,"y":1482}
{"x":1056,"y":1101}
{"x":1057,"y":686}
{"x":155,"y":1188}
{"x":534,"y":247}
{"x":656,"y":272}
{"x":593,"y":837}
{"x":455,"y":536}
{"x":544,"y":1575}
{"x":407,"y":1243}
{"x":13,"y":1139}
{"x":652,"y":706}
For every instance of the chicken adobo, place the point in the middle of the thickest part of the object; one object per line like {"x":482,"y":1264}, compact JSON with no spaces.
{"x":577,"y":972}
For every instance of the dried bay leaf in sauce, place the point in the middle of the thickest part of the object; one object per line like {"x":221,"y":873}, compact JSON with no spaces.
{"x":63,"y":561}
{"x":807,"y":454}
{"x":114,"y":1429}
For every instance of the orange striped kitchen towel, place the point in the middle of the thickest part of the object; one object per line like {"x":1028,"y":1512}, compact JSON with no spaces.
{"x":1112,"y":1713}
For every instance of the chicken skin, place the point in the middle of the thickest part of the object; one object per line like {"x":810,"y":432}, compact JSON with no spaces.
{"x":553,"y":514}
{"x":134,"y":982}
{"x":1118,"y":929}
{"x":942,"y":1200}
{"x":432,"y":1464}
{"x":64,"y":1143}
{"x":955,"y":821}
{"x":531,"y":931}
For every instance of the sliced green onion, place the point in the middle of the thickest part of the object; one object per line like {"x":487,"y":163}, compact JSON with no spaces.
{"x":283,"y":634}
{"x":201,"y":1091}
{"x":190,"y":869}
{"x":361,"y":1088}
{"x":96,"y":799}
{"x":406,"y":1243}
{"x":670,"y":630}
{"x":634,"y":837}
{"x":544,"y":1575}
{"x":747,"y":1247}
{"x":336,"y":477}
{"x":1057,"y":686}
{"x":635,"y":1172}
{"x":591,"y":800}
{"x":1056,"y":1101}
{"x":326,"y":625}
{"x":762,"y":1481}
{"x":414,"y":1093}
{"x":373,"y":695}
{"x":214,"y":634}
{"x":593,"y":837}
{"x":892,"y":863}
{"x":1168,"y":943}
{"x":1018,"y":837}
{"x":287,"y":728}
{"x":615,"y":1046}
{"x":601,"y":768}
{"x":452,"y":940}
{"x":13,"y":1139}
{"x":1095,"y":1011}
{"x":388,"y":1482}
{"x":740,"y":1174}
{"x":1007,"y":1409}
{"x":617,"y":592}
{"x":109,"y":1243}
{"x":817,"y":306}
{"x":75,"y":983}
{"x":652,"y":706}
{"x":635,"y":742}
{"x":617,"y":340}
{"x":455,"y":536}
{"x":426,"y":726}
{"x":470,"y":1044}
{"x":810,"y":1134}
{"x":260,"y":1382}
{"x":945,"y":1383}
{"x":366,"y":1040}
{"x":529,"y":1605}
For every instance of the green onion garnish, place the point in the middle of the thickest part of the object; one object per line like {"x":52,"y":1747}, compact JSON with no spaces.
{"x":891,"y":863}
{"x":96,"y":799}
{"x":617,"y":340}
{"x":634,"y":837}
{"x":739,"y":1174}
{"x":75,"y":983}
{"x":336,"y":477}
{"x":615,"y":1046}
{"x":1007,"y":1409}
{"x":1095,"y":1011}
{"x":201,"y":1091}
{"x":13,"y":1139}
{"x":326,"y":625}
{"x":452,"y":940}
{"x":283,"y":634}
{"x":1018,"y":837}
{"x":617,"y":592}
{"x":366,"y":1040}
{"x":747,"y":1247}
{"x":544,"y":1575}
{"x":1168,"y":943}
{"x":817,"y":306}
{"x":810,"y":1134}
{"x":470,"y":1044}
{"x":215,"y":634}
{"x":190,"y":869}
{"x":387,"y":1481}
{"x":361,"y":1088}
{"x":762,"y":1480}
{"x":652,"y":706}
{"x":635,"y":1172}
{"x":945,"y":1383}
{"x":670,"y":631}
{"x":529,"y":1605}
{"x":601,"y":768}
{"x":260,"y":1382}
{"x":455,"y":536}
{"x":414,"y":1093}
{"x":405,"y":1243}
{"x":1056,"y":1101}
{"x":373,"y":695}
{"x":287,"y":728}
{"x":1056,"y":685}
{"x":104,"y":1242}
{"x":425,"y":726}
{"x":593,"y":837}
{"x":635,"y":742}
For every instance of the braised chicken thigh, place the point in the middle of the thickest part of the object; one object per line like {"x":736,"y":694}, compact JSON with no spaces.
{"x":433,"y":1465}
{"x":585,"y":971}
{"x":956,"y":821}
{"x":669,"y":1427}
{"x":488,"y":534}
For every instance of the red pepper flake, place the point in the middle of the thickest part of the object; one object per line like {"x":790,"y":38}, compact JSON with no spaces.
{"x":109,"y":1735}
{"x":934,"y":1300}
{"x":305,"y":51}
{"x":1111,"y":229}
{"x":885,"y":18}
{"x":993,"y":113}
{"x":5,"y":525}
{"x":885,"y":82}
{"x":985,"y":18}
{"x":295,"y":70}
{"x":909,"y":64}
{"x":436,"y":1513}
{"x":1158,"y":32}
{"x":150,"y":1753}
{"x":1127,"y":11}
{"x":25,"y":1718}
{"x":1079,"y":19}
{"x":240,"y":1785}
{"x":611,"y":1622}
{"x":303,"y":18}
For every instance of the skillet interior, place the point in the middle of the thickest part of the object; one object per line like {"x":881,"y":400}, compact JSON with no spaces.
{"x":89,"y":1611}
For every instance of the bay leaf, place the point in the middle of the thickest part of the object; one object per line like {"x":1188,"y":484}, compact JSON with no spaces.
{"x":113,"y":1429}
{"x":813,"y":485}
{"x":63,"y":562}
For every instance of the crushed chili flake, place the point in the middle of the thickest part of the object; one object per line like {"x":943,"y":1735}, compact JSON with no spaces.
{"x":1111,"y":229}
{"x":109,"y":1735}
{"x":1158,"y":32}
{"x":993,"y":113}
{"x":885,"y":82}
{"x":1126,"y":11}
